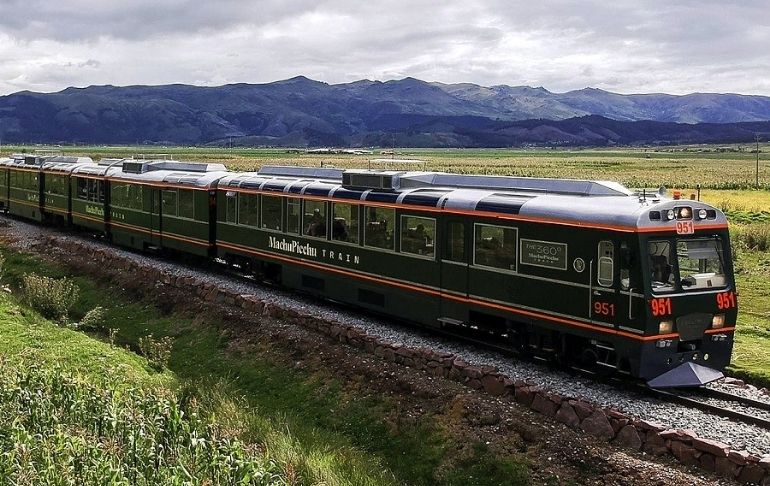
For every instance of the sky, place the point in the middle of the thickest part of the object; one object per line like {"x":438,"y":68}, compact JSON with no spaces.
{"x":623,"y":46}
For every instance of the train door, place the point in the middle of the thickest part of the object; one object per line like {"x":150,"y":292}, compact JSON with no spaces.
{"x":604,"y":298}
{"x":155,"y":217}
{"x":455,"y":256}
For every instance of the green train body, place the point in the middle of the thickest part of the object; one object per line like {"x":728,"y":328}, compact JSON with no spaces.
{"x":579,"y":271}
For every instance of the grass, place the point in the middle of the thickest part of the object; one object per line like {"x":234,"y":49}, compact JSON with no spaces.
{"x":319,"y":431}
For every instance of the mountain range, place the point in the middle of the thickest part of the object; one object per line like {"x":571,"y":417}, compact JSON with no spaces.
{"x":406,"y":112}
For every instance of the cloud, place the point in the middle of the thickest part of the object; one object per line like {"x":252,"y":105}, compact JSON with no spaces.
{"x":624,"y":46}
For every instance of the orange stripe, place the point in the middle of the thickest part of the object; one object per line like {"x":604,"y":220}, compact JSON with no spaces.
{"x":720,"y":330}
{"x":489,"y":214}
{"x":55,"y":210}
{"x":380,"y":280}
{"x":76,"y":214}
{"x":24,"y":203}
{"x":164,"y":234}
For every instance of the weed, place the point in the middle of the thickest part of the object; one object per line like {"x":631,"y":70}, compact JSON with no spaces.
{"x":157,"y":351}
{"x":52,"y":298}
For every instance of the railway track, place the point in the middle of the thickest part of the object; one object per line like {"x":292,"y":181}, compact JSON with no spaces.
{"x":715,"y":402}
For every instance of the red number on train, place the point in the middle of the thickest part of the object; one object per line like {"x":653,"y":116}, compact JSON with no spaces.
{"x":661,"y":307}
{"x":726,"y":300}
{"x":604,"y":309}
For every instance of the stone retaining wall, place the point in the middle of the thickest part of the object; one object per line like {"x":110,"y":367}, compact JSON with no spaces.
{"x":606,"y":424}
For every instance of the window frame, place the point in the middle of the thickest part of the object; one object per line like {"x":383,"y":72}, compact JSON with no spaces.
{"x":432,"y":257}
{"x":325,"y":204}
{"x":163,"y":205}
{"x":262,"y":213}
{"x":191,"y":192}
{"x":600,"y":258}
{"x":515,"y":254}
{"x":354,"y":208}
{"x":395,"y":228}
{"x":257,"y":213}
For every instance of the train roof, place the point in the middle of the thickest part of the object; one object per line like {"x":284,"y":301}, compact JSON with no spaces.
{"x":576,"y":201}
{"x":64,"y":163}
{"x":168,"y":171}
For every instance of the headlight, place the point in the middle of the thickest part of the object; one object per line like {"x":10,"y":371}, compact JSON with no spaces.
{"x":702,"y":214}
{"x":666,"y":327}
{"x":718,"y":321}
{"x":670,"y":214}
{"x":684,"y":212}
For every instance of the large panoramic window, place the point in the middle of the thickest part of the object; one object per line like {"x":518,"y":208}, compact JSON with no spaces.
{"x":248,"y":209}
{"x":271,"y":213}
{"x":90,"y":190}
{"x":314,"y":219}
{"x":380,"y":226}
{"x":293,"y":215}
{"x":495,"y":246}
{"x":56,"y":184}
{"x":345,"y":222}
{"x":418,"y":235}
{"x":169,"y":201}
{"x":186,"y":203}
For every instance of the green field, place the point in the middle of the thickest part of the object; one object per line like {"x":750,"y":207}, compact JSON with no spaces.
{"x":675,"y":167}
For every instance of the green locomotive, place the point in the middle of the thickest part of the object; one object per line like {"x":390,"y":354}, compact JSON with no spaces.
{"x":587,"y":272}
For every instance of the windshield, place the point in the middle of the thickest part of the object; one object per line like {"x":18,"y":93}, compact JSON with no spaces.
{"x":696,"y":265}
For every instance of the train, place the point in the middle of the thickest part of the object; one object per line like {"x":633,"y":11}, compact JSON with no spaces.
{"x":636,"y":283}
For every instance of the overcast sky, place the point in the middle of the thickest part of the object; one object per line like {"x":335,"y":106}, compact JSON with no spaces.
{"x":624,"y":46}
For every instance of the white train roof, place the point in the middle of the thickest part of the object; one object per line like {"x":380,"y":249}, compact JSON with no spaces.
{"x":167,"y":171}
{"x":575,"y":201}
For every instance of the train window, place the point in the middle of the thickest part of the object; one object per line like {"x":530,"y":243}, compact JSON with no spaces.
{"x":345,"y":222}
{"x":456,"y":242}
{"x":231,"y":206}
{"x":661,"y":268}
{"x":118,"y":195}
{"x":700,"y":263}
{"x":605,"y":274}
{"x":380,"y":225}
{"x":128,"y":196}
{"x":55,"y":184}
{"x":187,"y":203}
{"x":82,"y":188}
{"x":248,"y":209}
{"x":418,"y":235}
{"x":272,"y":213}
{"x":314,"y":219}
{"x":293,"y":215}
{"x":169,"y":202}
{"x":626,"y":262}
{"x":495,"y":246}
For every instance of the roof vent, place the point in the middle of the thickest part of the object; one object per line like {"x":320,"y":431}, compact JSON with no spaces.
{"x":383,"y":181}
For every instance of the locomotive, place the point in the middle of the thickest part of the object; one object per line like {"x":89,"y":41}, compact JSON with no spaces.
{"x":578,"y":271}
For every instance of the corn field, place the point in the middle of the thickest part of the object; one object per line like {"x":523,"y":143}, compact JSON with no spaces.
{"x":58,"y":429}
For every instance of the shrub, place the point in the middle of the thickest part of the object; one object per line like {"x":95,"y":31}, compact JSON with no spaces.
{"x":52,"y":298}
{"x":157,"y":351}
{"x":93,"y":318}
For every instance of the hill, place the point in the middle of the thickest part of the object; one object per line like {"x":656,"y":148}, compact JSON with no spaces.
{"x":406,"y":112}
